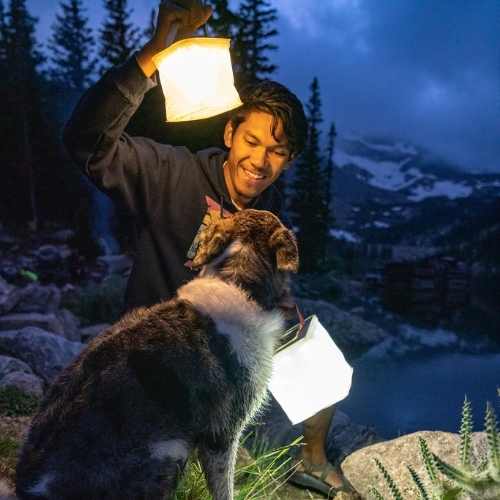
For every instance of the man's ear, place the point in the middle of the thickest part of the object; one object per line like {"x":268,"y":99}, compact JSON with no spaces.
{"x":228,"y":134}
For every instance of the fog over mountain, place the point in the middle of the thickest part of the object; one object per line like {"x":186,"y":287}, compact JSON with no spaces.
{"x":418,"y":70}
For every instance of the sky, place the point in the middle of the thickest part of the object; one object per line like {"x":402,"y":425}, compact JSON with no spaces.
{"x":425,"y":71}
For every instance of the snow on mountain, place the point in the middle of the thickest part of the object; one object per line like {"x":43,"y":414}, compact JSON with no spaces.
{"x":382,"y":174}
{"x":342,"y":234}
{"x":451,"y":190}
{"x":399,"y":167}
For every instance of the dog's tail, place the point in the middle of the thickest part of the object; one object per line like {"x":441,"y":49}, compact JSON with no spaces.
{"x":6,"y":491}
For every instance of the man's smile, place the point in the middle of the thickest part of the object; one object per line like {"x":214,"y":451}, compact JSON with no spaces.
{"x":252,"y":174}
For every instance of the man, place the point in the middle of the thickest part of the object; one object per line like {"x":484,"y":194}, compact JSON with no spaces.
{"x":173,"y":193}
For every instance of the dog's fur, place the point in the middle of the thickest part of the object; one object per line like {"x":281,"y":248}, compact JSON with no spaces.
{"x":121,"y":420}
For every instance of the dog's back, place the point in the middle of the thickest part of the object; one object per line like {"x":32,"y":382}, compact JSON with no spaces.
{"x":121,"y":420}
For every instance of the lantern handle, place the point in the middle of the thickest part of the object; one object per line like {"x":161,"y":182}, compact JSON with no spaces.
{"x":170,"y":36}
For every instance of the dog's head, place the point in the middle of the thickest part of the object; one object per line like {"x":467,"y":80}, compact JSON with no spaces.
{"x":252,"y":249}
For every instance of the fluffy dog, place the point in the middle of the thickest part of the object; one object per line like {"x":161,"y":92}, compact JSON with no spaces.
{"x":121,"y":420}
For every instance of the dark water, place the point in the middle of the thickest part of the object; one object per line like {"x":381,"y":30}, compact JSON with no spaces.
{"x":422,"y":391}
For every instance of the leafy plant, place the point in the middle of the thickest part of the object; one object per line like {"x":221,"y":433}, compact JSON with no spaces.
{"x":481,"y":483}
{"x":100,"y":303}
{"x":15,"y":403}
{"x":29,"y":275}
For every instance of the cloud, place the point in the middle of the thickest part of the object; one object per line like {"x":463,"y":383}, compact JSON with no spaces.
{"x":422,"y":70}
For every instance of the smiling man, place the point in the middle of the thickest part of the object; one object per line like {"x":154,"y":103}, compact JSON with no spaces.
{"x":174,"y":193}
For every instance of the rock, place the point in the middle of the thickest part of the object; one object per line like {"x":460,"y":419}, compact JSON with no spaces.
{"x":398,"y":453}
{"x":9,"y":270}
{"x":350,"y":332}
{"x":53,"y":263}
{"x":25,"y":382}
{"x":6,"y":239}
{"x":62,"y":236}
{"x":116,"y":264}
{"x":89,"y":332}
{"x":9,"y":365}
{"x":49,"y":256}
{"x":47,"y":354}
{"x":39,"y":299}
{"x":69,"y":293}
{"x":9,"y":296}
{"x":71,"y":324}
{"x":44,"y":321}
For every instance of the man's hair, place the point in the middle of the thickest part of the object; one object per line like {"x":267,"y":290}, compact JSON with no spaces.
{"x":280,"y":102}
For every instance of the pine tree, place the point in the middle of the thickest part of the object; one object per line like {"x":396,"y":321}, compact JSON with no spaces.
{"x":118,"y":37}
{"x":3,"y":39}
{"x":223,"y":21}
{"x":252,"y":41}
{"x":330,"y":150}
{"x":308,"y":204}
{"x":71,"y":46}
{"x":21,"y":100}
{"x":150,"y":28}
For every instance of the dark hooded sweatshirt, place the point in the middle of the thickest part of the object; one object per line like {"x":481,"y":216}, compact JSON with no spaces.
{"x":171,"y":192}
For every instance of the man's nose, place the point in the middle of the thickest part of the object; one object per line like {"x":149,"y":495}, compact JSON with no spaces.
{"x":259,"y":157}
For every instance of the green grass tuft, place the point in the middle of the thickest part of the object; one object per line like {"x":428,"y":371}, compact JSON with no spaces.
{"x":15,"y":403}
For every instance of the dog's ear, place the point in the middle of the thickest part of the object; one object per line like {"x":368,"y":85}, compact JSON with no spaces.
{"x":283,"y":242}
{"x":213,"y":240}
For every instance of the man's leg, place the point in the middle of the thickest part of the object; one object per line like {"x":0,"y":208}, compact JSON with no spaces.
{"x":314,"y":449}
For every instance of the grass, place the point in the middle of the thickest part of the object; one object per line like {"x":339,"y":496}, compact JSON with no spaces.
{"x":257,"y":478}
{"x":15,"y":403}
{"x":9,"y":448}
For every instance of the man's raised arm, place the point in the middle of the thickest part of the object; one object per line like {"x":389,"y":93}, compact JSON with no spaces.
{"x":127,"y":167}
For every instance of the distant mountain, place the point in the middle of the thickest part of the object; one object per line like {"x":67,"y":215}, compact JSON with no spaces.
{"x":396,"y":193}
{"x":399,"y":167}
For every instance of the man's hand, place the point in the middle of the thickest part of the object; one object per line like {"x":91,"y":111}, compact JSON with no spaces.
{"x":176,"y":20}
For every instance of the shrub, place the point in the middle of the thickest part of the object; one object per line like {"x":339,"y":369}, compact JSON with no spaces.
{"x":100,"y":302}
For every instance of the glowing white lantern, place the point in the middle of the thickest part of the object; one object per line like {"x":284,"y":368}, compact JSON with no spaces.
{"x":197,"y":78}
{"x":310,"y":374}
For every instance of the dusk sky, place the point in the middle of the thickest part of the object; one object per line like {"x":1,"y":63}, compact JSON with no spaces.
{"x":423,"y":70}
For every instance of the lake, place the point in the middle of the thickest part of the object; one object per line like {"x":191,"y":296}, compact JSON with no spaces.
{"x":419,"y":380}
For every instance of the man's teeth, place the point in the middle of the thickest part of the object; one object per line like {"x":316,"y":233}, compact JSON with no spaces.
{"x":253,"y":175}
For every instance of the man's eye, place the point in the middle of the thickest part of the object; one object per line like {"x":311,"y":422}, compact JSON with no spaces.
{"x":251,"y":143}
{"x":279,"y":152}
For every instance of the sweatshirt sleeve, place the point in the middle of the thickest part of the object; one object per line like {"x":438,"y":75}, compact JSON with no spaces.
{"x":124,"y":167}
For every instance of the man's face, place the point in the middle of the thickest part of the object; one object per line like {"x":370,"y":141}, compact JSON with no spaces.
{"x":256,"y":158}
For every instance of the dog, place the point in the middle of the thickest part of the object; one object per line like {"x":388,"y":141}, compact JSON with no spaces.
{"x":186,"y":374}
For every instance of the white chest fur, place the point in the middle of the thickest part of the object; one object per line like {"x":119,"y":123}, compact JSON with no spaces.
{"x":251,"y":331}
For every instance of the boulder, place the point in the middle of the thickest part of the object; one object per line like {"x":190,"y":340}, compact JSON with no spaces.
{"x":9,"y":296}
{"x":37,"y":298}
{"x":89,"y":332}
{"x":47,"y":354}
{"x":62,"y":235}
{"x":50,"y":256}
{"x":25,"y":382}
{"x":401,"y":452}
{"x":53,"y":263}
{"x":350,"y":332}
{"x":48,"y":322}
{"x":9,"y":365}
{"x":71,"y":324}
